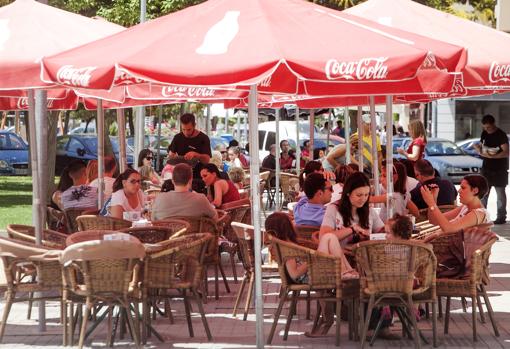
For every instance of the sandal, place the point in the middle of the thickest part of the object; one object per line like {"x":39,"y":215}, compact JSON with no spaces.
{"x":350,"y":274}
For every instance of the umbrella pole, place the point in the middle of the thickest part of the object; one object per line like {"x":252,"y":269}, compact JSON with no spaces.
{"x":121,"y":122}
{"x":41,"y":119}
{"x":347,"y":133}
{"x":360,"y":137}
{"x":255,"y":195}
{"x":375,"y":155}
{"x":389,"y":156}
{"x":100,"y":154}
{"x":208,"y":120}
{"x":298,"y":148}
{"x":158,"y":143}
{"x":36,"y":212}
{"x":277,"y":169}
{"x":312,"y":131}
{"x":327,"y":135}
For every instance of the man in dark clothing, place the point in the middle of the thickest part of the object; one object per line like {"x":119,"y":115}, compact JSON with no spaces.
{"x":425,"y":174}
{"x":269,"y":161}
{"x":193,"y":146}
{"x":493,"y":148}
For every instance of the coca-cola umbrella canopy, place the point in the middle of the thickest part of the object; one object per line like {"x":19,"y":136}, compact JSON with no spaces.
{"x":274,"y":44}
{"x":488,"y":65}
{"x":30,"y":30}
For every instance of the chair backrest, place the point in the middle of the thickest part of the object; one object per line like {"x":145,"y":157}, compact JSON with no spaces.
{"x":102,"y":269}
{"x":264,"y":175}
{"x":50,"y":238}
{"x":177,"y":226}
{"x":392,"y":266}
{"x":150,"y":234}
{"x":324,"y":271}
{"x":72,"y":213}
{"x":93,"y":222}
{"x":305,"y":231}
{"x":241,"y":212}
{"x":55,"y":219}
{"x":179,"y":264}
{"x":478,"y":241}
{"x":244,"y":234}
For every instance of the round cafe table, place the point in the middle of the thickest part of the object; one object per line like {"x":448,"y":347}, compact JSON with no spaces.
{"x":90,"y":235}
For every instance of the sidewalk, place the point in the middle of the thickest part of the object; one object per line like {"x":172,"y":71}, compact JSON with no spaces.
{"x":234,"y":333}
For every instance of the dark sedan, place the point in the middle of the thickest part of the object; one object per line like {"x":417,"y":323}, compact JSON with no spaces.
{"x":82,"y":147}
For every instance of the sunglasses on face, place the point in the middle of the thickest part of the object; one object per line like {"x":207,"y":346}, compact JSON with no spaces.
{"x":134,"y":181}
{"x":149,"y":158}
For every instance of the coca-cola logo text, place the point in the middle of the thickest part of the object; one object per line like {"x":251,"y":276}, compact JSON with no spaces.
{"x":499,"y":72}
{"x":70,"y":75}
{"x":364,"y":69}
{"x":22,"y":103}
{"x":183,"y":92}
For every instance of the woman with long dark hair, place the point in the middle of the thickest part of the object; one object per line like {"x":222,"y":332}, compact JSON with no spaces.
{"x":219,"y":191}
{"x":127,"y":195}
{"x":351,"y":218}
{"x":145,"y":167}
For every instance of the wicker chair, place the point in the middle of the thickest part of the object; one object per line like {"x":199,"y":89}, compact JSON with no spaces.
{"x":42,"y":272}
{"x":150,"y":234}
{"x":102,"y":272}
{"x":55,"y":219}
{"x":304,"y":235}
{"x":178,"y":266}
{"x":238,"y":211}
{"x":177,"y":226}
{"x":72,"y":213}
{"x":388,"y":271}
{"x":96,"y":222}
{"x":50,"y":239}
{"x":472,"y":283}
{"x":244,"y":234}
{"x":212,"y":256}
{"x":324,"y":274}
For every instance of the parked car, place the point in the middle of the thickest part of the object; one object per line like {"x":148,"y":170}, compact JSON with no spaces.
{"x":83,"y":147}
{"x":467,"y":146}
{"x":13,"y":154}
{"x":448,"y":159}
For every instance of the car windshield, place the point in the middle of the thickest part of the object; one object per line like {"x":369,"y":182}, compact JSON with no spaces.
{"x":439,"y":148}
{"x":8,"y":141}
{"x":92,"y":145}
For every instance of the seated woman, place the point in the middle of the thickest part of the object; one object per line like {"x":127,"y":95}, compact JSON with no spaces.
{"x":127,"y":195}
{"x":402,"y":203}
{"x":64,"y":183}
{"x":351,"y":218}
{"x":471,"y":212}
{"x":219,"y":191}
{"x":145,"y":164}
{"x":236,"y":175}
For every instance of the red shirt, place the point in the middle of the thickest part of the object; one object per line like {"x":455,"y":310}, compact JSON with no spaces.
{"x":286,"y":164}
{"x":420,"y":142}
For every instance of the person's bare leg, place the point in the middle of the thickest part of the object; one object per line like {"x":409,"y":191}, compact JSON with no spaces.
{"x":329,"y":244}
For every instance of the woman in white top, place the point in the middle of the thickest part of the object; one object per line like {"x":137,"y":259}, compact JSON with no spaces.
{"x":351,"y":218}
{"x":127,"y":195}
{"x":402,"y":203}
{"x":233,"y":157}
{"x":472,"y":189}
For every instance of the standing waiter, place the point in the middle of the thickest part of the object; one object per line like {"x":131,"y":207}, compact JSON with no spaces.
{"x":493,"y":148}
{"x":191,"y":146}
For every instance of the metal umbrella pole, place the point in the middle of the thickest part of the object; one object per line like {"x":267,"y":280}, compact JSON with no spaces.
{"x":375,"y":155}
{"x":255,"y":214}
{"x":347,"y":133}
{"x":277,"y":168}
{"x":360,"y":137}
{"x":36,"y":201}
{"x":312,"y":131}
{"x":298,"y":148}
{"x":158,"y":142}
{"x":100,"y":153}
{"x":389,"y":156}
{"x":121,"y":123}
{"x":208,"y":120}
{"x":329,"y":125}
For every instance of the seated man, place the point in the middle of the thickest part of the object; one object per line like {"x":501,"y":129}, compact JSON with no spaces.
{"x":425,"y":174}
{"x":79,"y":195}
{"x":181,"y":201}
{"x":310,"y":209}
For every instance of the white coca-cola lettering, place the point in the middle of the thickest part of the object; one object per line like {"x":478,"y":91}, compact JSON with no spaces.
{"x":266,"y":82}
{"x":364,"y":69}
{"x":22,"y":103}
{"x":181,"y":91}
{"x":70,"y":75}
{"x":499,"y":72}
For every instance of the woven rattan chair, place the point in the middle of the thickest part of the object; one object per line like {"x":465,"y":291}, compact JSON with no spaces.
{"x":28,"y":268}
{"x":477,"y":243}
{"x":72,"y":213}
{"x":238,"y":211}
{"x":304,"y":235}
{"x":178,"y":266}
{"x":388,"y":271}
{"x":96,"y":222}
{"x":244,"y":234}
{"x":51,"y":239}
{"x":324,"y":275}
{"x":102,"y":272}
{"x":286,"y":184}
{"x":55,"y":219}
{"x":150,"y":234}
{"x":200,"y":225}
{"x":177,"y":226}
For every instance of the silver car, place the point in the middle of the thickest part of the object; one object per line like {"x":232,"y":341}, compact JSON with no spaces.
{"x":448,"y":159}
